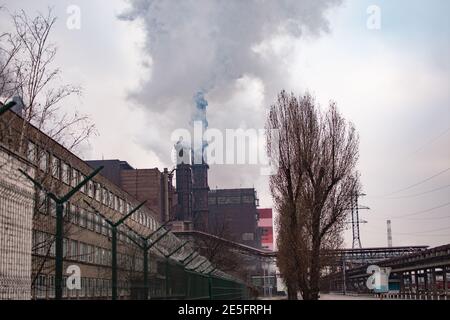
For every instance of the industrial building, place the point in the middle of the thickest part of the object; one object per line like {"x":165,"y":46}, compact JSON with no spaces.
{"x":28,"y":219}
{"x":233,"y":215}
{"x":150,"y":185}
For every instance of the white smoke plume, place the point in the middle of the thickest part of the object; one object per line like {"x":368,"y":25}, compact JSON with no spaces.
{"x":228,"y":49}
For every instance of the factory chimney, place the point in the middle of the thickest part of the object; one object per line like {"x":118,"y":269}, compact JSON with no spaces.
{"x":389,"y":233}
{"x":200,"y":167}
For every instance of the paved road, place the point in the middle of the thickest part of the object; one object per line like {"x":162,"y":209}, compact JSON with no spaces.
{"x":342,"y":297}
{"x":327,"y":297}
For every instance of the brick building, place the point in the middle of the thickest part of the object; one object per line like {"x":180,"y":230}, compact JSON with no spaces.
{"x":27,"y":241}
{"x":233,"y":215}
{"x":149,"y":185}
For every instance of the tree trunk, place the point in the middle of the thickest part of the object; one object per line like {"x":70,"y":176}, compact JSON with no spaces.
{"x":292,"y":292}
{"x":315,"y":271}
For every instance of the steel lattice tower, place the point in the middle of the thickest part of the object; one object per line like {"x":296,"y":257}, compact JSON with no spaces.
{"x":356,"y":221}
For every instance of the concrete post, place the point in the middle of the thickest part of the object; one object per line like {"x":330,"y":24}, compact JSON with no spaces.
{"x":416,"y":282}
{"x":402,"y":283}
{"x":426,"y":282}
{"x":433,"y":284}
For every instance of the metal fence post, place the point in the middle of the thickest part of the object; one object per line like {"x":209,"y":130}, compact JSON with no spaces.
{"x":146,"y":273}
{"x":114,"y":226}
{"x":167,"y":278}
{"x":59,"y":251}
{"x":210,"y":287}
{"x":59,"y":233}
{"x":114,"y":262}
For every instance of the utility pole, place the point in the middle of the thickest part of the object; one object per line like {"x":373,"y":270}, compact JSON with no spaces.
{"x":59,"y":234}
{"x":355,"y":219}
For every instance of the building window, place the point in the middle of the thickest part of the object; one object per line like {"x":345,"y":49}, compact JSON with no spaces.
{"x":74,"y":214}
{"x":248,"y":236}
{"x":31,"y":152}
{"x":90,"y":253}
{"x":116,"y":203}
{"x":42,"y":202}
{"x":83,"y":252}
{"x":83,"y":217}
{"x":65,"y":172}
{"x":121,"y":206}
{"x":65,"y":247}
{"x":90,"y":189}
{"x":43,"y":160}
{"x":73,"y":250}
{"x":83,"y":287}
{"x":51,"y":286}
{"x":56,"y":168}
{"x":52,"y":248}
{"x":90,"y":220}
{"x":105,"y":227}
{"x":52,"y":208}
{"x":98,"y":194}
{"x":84,"y":187}
{"x":74,"y":177}
{"x":41,"y":286}
{"x":96,"y":224}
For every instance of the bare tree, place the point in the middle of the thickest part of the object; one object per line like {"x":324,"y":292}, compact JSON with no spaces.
{"x":316,"y":154}
{"x":27,"y":71}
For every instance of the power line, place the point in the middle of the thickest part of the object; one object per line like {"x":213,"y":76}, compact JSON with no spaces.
{"x":423,"y":235}
{"x":435,"y":218}
{"x":423,"y":211}
{"x":430,"y":142}
{"x":428,"y":231}
{"x":418,"y":183}
{"x":418,"y":233}
{"x":422,"y":193}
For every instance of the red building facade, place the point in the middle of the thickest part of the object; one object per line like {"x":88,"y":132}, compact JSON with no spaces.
{"x":265,"y":225}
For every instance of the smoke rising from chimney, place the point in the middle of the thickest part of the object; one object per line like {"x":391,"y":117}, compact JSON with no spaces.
{"x":236,"y":52}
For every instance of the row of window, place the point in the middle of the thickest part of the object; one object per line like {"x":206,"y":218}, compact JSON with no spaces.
{"x":43,"y":244}
{"x":90,"y":287}
{"x":84,"y":218}
{"x":213,"y":200}
{"x":62,"y":171}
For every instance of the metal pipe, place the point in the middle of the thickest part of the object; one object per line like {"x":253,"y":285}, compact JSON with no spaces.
{"x":146,"y":273}
{"x":59,"y":251}
{"x":114,"y":262}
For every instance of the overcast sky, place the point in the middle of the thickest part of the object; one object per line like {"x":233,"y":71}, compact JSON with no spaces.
{"x":141,"y":62}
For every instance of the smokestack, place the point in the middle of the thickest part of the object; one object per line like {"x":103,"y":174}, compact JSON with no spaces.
{"x":389,"y":233}
{"x":200,"y":123}
{"x":199,"y":165}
